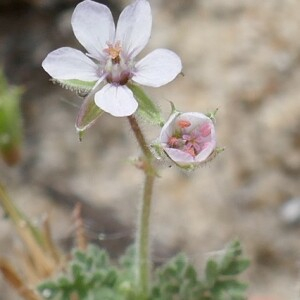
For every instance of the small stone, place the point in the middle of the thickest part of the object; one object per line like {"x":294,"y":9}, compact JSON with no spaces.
{"x":290,"y":211}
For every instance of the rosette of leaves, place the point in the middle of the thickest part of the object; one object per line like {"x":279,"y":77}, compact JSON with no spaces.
{"x":91,"y":276}
{"x":178,"y":278}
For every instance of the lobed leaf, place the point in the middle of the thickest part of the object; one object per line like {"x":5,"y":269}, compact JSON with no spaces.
{"x":92,"y":276}
{"x":211,"y":272}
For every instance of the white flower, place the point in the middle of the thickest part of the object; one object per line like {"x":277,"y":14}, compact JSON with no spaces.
{"x":111,"y":53}
{"x":189,"y":139}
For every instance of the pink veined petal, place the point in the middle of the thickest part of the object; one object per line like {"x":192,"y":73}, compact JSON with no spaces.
{"x":116,"y":100}
{"x":68,"y":63}
{"x":93,"y":26}
{"x":157,"y":68}
{"x":205,"y":129}
{"x":195,"y":118}
{"x":180,"y":157}
{"x":167,"y":130}
{"x":134,"y":27}
{"x":206,"y":152}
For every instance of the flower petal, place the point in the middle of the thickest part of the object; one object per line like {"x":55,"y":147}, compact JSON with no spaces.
{"x":195,"y":118}
{"x":69,"y":63}
{"x":93,"y":26}
{"x":116,"y":100}
{"x":167,"y":130}
{"x":180,"y":157}
{"x":134,"y":27}
{"x":157,"y":68}
{"x":206,"y":152}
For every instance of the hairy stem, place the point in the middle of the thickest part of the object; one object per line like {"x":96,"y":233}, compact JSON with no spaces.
{"x":143,"y":230}
{"x":143,"y":238}
{"x":140,"y":137}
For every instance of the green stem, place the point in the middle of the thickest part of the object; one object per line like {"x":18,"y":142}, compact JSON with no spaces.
{"x":143,"y":230}
{"x":140,"y":137}
{"x":143,"y":237}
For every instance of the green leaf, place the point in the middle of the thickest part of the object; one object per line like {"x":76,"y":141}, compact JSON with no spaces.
{"x":233,"y":285}
{"x":177,"y":279}
{"x":230,"y":287}
{"x":10,"y":121}
{"x":79,"y":256}
{"x":181,"y":263}
{"x":211,"y":272}
{"x":48,"y":290}
{"x":236,"y":267}
{"x":191,"y":274}
{"x":63,"y":282}
{"x":90,"y":275}
{"x":77,"y":272}
{"x":111,"y":278}
{"x":232,"y":263}
{"x":147,"y":109}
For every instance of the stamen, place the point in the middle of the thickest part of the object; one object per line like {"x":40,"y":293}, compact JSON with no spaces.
{"x":191,"y":151}
{"x":184,"y":124}
{"x":173,"y":141}
{"x":114,"y":51}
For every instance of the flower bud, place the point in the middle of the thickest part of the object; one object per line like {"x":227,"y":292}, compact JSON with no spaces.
{"x":188,"y":139}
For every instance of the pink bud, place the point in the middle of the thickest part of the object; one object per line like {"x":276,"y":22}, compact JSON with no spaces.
{"x":188,"y":139}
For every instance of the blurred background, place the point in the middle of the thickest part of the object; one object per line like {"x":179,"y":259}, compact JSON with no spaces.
{"x":242,"y":57}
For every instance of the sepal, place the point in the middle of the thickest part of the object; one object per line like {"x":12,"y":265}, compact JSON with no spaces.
{"x":212,"y":115}
{"x":147,"y":108}
{"x":76,"y":85}
{"x":88,"y":114}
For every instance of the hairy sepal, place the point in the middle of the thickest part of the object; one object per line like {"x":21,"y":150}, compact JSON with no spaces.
{"x":76,"y":85}
{"x":147,"y":108}
{"x":88,"y":114}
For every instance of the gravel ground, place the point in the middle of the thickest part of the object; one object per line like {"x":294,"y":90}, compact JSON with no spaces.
{"x":242,"y":57}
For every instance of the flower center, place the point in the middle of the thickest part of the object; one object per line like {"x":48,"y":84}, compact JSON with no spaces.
{"x":114,"y":52}
{"x":190,"y":141}
{"x":118,"y":70}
